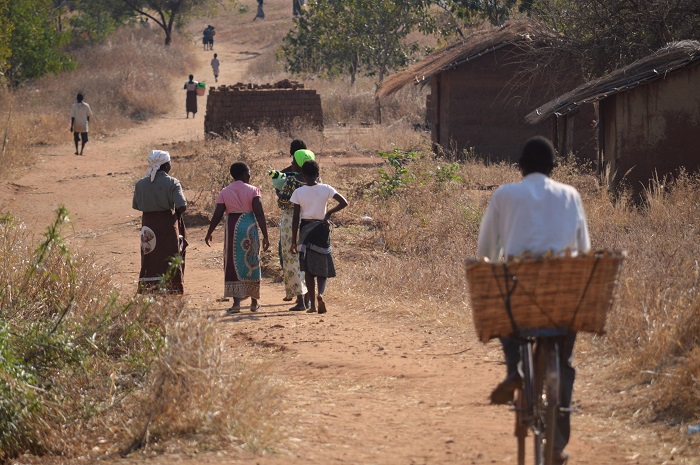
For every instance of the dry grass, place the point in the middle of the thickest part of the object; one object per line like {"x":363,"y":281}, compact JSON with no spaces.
{"x":654,"y":330}
{"x":87,"y":372}
{"x":125,"y":79}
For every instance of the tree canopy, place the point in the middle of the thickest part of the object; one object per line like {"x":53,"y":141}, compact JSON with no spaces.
{"x":6,"y":28}
{"x":169,"y":14}
{"x":355,"y":36}
{"x":36,"y":43}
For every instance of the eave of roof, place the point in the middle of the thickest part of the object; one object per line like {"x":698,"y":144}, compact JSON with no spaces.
{"x":674,"y":56}
{"x":472,"y":47}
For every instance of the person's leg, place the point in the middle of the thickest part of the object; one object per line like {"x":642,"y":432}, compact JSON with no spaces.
{"x":76,"y":139}
{"x":84,"y":137}
{"x":504,"y":392}
{"x":511,"y":351}
{"x":567,"y":376}
{"x":236,"y":307}
{"x":254,"y":305}
{"x":321,"y":284}
{"x":311,"y":287}
{"x":321,"y":289}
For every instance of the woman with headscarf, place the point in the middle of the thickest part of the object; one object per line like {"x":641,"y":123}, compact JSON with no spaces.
{"x":286,"y":182}
{"x":245,"y":216}
{"x":163,"y":236}
{"x":191,"y":96}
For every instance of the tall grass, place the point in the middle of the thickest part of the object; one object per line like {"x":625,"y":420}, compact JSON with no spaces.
{"x":125,"y":79}
{"x":430,"y":223}
{"x":86,"y":371}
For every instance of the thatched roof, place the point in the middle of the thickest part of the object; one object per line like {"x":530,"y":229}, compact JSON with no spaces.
{"x":472,"y":47}
{"x":674,"y":56}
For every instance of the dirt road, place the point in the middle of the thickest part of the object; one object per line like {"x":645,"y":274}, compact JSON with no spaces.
{"x":360,"y":388}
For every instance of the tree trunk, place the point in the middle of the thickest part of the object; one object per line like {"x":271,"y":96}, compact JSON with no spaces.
{"x":168,"y":37}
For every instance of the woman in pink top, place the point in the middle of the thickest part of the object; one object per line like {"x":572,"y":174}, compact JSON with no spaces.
{"x":241,"y":202}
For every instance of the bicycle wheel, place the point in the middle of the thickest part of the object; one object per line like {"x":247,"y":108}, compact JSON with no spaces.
{"x":525,"y":400}
{"x":548,"y":399}
{"x":538,"y":425}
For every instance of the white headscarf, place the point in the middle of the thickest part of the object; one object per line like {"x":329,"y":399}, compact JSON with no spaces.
{"x":156,"y":159}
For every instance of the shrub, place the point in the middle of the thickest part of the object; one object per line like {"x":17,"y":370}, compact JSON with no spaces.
{"x":80,"y":363}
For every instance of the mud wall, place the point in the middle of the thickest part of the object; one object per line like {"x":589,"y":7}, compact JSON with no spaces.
{"x":249,"y":106}
{"x":652,"y":130}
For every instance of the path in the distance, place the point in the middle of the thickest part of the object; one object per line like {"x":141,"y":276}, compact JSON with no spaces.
{"x":362,"y":388}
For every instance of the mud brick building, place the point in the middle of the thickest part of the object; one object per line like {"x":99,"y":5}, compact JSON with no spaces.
{"x":249,"y":106}
{"x":649,"y":116}
{"x":475,"y":100}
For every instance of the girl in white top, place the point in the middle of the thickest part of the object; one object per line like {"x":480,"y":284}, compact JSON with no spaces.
{"x":311,"y":221}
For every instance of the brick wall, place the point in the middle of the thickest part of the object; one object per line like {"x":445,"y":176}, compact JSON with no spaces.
{"x":242,"y":106}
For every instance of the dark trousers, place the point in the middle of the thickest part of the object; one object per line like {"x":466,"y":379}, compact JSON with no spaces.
{"x":511,"y":349}
{"x":296,"y":7}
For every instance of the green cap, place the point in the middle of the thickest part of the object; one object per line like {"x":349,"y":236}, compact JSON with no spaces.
{"x":301,"y":156}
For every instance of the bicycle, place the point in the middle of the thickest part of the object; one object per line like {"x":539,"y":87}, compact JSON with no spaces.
{"x":537,"y":406}
{"x":545,"y":299}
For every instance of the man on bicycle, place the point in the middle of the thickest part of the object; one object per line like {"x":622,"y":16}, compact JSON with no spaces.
{"x":535,"y":215}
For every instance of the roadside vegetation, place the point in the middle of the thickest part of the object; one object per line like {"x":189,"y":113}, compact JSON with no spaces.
{"x":85,"y":368}
{"x":88,"y":372}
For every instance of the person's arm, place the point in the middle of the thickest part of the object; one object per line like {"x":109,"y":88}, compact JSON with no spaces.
{"x":584,"y":240}
{"x":295,"y":227}
{"x":489,"y":242}
{"x":178,"y":196}
{"x":215,"y":220}
{"x":72,"y":121}
{"x":260,"y":217}
{"x":342,"y":203}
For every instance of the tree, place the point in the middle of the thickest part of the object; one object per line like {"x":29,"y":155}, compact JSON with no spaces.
{"x":93,"y":20}
{"x":355,"y":36}
{"x":495,"y":11}
{"x":36,"y":44}
{"x":602,"y":35}
{"x":168,"y":14}
{"x":5,"y":36}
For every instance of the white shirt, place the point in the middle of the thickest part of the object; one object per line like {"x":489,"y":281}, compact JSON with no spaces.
{"x":535,"y":215}
{"x":80,"y":112}
{"x":313,"y":200}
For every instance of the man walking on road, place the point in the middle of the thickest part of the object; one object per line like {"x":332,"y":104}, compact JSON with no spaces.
{"x":80,"y":114}
{"x":215,"y":67}
{"x":536,"y":215}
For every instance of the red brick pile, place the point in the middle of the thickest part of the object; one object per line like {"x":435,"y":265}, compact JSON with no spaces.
{"x":249,"y":106}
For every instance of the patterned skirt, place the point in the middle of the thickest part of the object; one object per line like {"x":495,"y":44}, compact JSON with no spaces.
{"x":163,"y":243}
{"x":242,"y":256}
{"x":315,"y":253}
{"x":294,"y":284}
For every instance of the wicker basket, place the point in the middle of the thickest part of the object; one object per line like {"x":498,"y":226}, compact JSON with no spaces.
{"x":545,"y":293}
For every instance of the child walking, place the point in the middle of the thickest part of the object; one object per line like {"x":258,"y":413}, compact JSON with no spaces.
{"x":311,"y":221}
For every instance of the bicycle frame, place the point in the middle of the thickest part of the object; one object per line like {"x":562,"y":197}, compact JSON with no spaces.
{"x":537,"y":405}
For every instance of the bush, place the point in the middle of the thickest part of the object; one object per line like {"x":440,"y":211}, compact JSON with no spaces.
{"x":80,"y":363}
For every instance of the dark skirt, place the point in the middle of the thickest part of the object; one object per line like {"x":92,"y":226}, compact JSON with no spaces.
{"x":163,"y":243}
{"x":242,"y":256}
{"x":315,"y":254}
{"x":191,"y":101}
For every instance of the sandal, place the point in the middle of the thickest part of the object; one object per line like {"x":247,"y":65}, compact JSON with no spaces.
{"x":298,"y":308}
{"x":233,"y":310}
{"x":321,"y":304}
{"x":255,"y":307}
